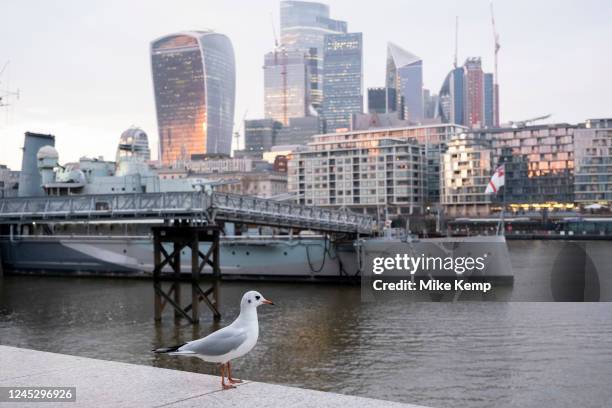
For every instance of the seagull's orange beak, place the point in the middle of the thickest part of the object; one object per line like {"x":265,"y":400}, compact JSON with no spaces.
{"x":267,"y":302}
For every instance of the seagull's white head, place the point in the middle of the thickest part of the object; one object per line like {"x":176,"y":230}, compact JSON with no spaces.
{"x":253,"y":299}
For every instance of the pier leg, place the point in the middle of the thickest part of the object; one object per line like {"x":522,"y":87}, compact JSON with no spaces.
{"x":182,"y":236}
{"x":216,"y":273}
{"x":156,"y":276}
{"x":176,"y":285}
{"x":195,"y":278}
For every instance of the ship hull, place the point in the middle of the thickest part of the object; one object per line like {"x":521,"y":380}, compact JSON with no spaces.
{"x":276,"y":258}
{"x":133,"y":256}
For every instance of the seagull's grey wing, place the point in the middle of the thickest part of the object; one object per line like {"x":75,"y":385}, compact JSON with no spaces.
{"x":218,"y":343}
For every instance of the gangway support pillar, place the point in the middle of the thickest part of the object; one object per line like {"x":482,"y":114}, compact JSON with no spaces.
{"x":180,"y":237}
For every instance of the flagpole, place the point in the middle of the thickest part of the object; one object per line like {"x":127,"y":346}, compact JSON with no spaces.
{"x":500,"y":225}
{"x":498,"y":180}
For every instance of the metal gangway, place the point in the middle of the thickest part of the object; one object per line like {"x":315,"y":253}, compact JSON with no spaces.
{"x":205,"y":206}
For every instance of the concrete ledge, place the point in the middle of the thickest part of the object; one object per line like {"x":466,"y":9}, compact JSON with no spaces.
{"x":107,"y":383}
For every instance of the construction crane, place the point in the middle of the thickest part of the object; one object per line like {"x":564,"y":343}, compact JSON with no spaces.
{"x":523,"y":123}
{"x":456,"y":41}
{"x":237,"y":133}
{"x":496,"y":48}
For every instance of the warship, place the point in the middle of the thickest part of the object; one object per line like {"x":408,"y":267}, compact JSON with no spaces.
{"x":125,"y":248}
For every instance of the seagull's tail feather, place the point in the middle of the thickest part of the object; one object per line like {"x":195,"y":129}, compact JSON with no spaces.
{"x":172,"y":349}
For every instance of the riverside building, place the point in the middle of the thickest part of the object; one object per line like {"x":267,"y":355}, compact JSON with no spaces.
{"x":389,"y":171}
{"x":465,"y":172}
{"x":539,"y":166}
{"x":593,"y":178}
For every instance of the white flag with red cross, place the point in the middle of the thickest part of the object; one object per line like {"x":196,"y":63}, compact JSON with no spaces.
{"x":498,"y":180}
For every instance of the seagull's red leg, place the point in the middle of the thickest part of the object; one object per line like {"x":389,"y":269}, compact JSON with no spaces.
{"x":223,"y":384}
{"x":229,"y":375}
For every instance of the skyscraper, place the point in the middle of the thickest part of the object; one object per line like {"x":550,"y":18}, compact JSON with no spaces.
{"x":299,"y":131}
{"x":430,"y":101}
{"x":194,"y":85}
{"x":458,"y":90}
{"x":286,"y":85}
{"x":405,"y":76}
{"x":303,"y":27}
{"x":377,"y":100}
{"x":474,"y":93}
{"x":343,"y":80}
{"x":260,"y":134}
{"x":489,"y":100}
{"x":467,"y":96}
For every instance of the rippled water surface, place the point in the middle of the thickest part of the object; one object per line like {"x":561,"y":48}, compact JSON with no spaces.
{"x":467,"y":354}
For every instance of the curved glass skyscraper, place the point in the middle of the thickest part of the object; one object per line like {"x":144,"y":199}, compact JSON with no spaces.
{"x":194,"y":81}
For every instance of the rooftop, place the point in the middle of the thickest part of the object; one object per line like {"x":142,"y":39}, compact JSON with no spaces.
{"x":400,"y":56}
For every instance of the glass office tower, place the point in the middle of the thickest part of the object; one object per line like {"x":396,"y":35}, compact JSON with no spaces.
{"x":286,"y":86}
{"x":303,"y":27}
{"x":260,"y":134}
{"x":377,"y":100}
{"x":194,"y":84}
{"x":489,"y":101}
{"x":405,"y":77}
{"x":343,"y":80}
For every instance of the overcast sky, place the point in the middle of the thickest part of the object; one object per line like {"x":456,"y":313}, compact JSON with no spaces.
{"x":83,"y":70}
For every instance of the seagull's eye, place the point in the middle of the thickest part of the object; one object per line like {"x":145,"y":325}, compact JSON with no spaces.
{"x":249,"y":300}
{"x":257,"y":297}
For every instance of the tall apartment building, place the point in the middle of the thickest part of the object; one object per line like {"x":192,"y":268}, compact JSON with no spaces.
{"x":593,"y":155}
{"x":543,"y":155}
{"x":473,"y":93}
{"x":468,"y":97}
{"x":465,"y":172}
{"x":395,"y":170}
{"x":539,"y":165}
{"x":363,"y":176}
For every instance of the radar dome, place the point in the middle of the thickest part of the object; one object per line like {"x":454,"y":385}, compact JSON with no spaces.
{"x":134,"y":143}
{"x":47,"y":152}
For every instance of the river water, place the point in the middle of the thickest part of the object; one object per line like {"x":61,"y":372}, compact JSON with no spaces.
{"x":465,"y":354}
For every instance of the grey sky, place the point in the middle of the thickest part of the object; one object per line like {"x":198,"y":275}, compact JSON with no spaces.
{"x":84,"y":74}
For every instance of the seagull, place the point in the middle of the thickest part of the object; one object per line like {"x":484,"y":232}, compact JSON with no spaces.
{"x":227,"y":343}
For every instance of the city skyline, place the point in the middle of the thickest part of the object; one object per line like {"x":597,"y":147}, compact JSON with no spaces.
{"x":537,"y":66}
